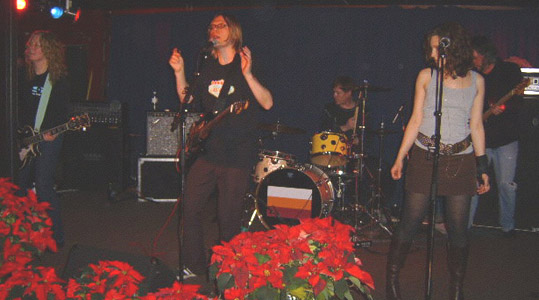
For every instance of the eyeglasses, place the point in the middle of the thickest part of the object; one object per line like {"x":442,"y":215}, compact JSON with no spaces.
{"x":217,"y":26}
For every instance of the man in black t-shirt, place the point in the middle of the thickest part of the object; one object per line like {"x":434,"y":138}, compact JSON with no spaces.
{"x":230,"y":149}
{"x":501,"y":128}
{"x":339,"y":115}
{"x":43,"y":105}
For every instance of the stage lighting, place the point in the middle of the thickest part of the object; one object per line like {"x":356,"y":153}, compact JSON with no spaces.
{"x":21,"y":4}
{"x":57,"y":12}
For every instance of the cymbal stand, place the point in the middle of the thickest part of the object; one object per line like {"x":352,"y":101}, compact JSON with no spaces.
{"x":377,"y":209}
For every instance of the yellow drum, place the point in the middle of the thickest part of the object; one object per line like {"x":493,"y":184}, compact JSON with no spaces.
{"x":329,"y":149}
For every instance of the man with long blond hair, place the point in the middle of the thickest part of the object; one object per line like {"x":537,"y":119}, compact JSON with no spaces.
{"x":43,"y":104}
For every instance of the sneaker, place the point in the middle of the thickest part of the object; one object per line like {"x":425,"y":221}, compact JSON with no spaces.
{"x":188,"y":273}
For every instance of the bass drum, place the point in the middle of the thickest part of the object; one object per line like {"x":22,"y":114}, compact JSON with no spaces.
{"x":292,"y":193}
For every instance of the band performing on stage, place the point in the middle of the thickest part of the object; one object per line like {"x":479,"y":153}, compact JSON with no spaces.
{"x":460,"y":122}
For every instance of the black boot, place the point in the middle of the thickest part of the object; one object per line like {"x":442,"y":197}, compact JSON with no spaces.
{"x":457,"y":258}
{"x":398,"y":251}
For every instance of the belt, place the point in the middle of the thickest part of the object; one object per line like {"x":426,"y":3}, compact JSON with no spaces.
{"x":445,"y":149}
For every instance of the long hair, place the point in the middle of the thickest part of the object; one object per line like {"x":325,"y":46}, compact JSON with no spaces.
{"x":459,"y":54}
{"x":234,"y":27}
{"x":54,"y":52}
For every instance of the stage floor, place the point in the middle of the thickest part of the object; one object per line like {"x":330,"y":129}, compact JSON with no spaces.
{"x":499,"y":267}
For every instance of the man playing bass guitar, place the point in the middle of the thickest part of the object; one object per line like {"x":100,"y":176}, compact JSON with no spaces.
{"x":230,"y":148}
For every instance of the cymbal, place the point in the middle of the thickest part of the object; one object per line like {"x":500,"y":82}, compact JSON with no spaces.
{"x":372,"y":88}
{"x":280,"y":128}
{"x":382,"y":131}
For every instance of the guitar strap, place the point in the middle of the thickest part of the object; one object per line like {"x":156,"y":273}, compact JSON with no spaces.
{"x":43,"y":102}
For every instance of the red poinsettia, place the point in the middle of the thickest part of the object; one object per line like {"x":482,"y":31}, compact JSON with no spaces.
{"x":300,"y":261}
{"x":39,"y":283}
{"x":178,"y":291}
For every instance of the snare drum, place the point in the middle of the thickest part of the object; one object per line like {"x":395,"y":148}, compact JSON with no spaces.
{"x":292,"y":193}
{"x":269,"y":161}
{"x":329,"y":149}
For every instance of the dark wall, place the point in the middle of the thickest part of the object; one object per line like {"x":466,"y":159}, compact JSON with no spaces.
{"x":298,"y":51}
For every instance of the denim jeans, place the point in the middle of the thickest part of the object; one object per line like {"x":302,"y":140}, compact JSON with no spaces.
{"x":504,"y":160}
{"x":41,"y":170}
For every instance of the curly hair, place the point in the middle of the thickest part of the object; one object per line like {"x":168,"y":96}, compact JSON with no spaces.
{"x":54,"y":52}
{"x":459,"y":53}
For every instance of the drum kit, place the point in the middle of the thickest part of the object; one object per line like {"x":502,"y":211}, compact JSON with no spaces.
{"x":330,"y":185}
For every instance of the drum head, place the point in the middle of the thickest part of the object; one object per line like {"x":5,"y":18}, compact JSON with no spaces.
{"x":287,"y":195}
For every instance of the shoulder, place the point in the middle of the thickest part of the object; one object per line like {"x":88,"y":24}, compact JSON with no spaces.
{"x":424,"y":76}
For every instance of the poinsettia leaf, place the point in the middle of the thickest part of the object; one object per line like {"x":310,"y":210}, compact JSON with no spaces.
{"x":97,"y":296}
{"x":225,"y":281}
{"x":300,"y":292}
{"x":262,"y":258}
{"x":213,"y":271}
{"x":266,"y":292}
{"x":324,"y":295}
{"x":341,"y":288}
{"x":294,"y":283}
{"x":360,"y":286}
{"x":289,"y":272}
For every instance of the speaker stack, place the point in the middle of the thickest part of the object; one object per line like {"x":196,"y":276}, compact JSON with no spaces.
{"x":158,"y":171}
{"x":96,"y":157}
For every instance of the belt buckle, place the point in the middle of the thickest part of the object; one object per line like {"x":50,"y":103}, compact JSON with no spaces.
{"x":448,"y":149}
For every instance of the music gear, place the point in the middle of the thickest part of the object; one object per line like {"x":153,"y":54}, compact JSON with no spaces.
{"x":160,"y":140}
{"x":97,"y":157}
{"x":158,"y":179}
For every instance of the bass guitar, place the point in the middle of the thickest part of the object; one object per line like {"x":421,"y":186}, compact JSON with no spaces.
{"x":517,"y":90}
{"x":200,"y":131}
{"x":29,"y":139}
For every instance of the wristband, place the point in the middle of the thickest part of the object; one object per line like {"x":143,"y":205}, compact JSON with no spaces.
{"x":482,"y":164}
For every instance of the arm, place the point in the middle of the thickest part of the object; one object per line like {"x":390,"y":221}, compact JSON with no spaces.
{"x":262,"y":94}
{"x":412,"y":129}
{"x":177,"y":64}
{"x":478,"y":131}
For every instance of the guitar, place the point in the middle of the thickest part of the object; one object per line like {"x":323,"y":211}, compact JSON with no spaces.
{"x":29,"y":139}
{"x":519,"y":89}
{"x":200,"y":131}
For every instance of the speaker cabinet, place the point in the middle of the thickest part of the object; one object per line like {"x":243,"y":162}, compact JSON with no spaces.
{"x":160,"y":140}
{"x":156,"y":274}
{"x":95,"y":158}
{"x":158,"y":179}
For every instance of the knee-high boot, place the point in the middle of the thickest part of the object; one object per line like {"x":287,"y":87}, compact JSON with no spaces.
{"x":398,"y":251}
{"x":457,"y":261}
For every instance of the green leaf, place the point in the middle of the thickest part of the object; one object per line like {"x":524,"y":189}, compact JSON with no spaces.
{"x":225,"y":281}
{"x":262,"y":258}
{"x":300,"y":292}
{"x":341,"y":288}
{"x":266,"y":292}
{"x":213,"y":271}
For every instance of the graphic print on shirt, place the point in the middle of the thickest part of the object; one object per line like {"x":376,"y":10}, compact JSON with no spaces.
{"x":215,"y":87}
{"x":36,"y":90}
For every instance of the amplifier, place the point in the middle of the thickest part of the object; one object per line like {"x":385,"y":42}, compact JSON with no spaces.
{"x":160,"y":140}
{"x":101,"y":113}
{"x":158,"y":179}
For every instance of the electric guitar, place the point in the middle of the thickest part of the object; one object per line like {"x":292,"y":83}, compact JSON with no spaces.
{"x":29,"y":139}
{"x":200,"y":131}
{"x":518,"y":90}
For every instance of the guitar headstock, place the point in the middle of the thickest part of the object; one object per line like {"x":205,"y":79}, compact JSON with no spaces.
{"x":239,"y":106}
{"x":79,"y":122}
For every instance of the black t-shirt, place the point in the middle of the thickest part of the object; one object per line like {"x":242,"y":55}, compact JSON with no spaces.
{"x":335,"y":116}
{"x":232,"y":141}
{"x":57,"y":107}
{"x":502,"y":129}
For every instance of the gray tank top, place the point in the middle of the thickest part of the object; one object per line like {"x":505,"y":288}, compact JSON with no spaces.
{"x":456,"y":110}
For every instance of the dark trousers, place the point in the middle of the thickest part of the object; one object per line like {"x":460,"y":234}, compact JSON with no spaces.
{"x":203,"y":178}
{"x":41,"y":171}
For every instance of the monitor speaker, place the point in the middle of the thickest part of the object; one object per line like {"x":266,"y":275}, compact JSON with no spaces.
{"x":161,"y":140}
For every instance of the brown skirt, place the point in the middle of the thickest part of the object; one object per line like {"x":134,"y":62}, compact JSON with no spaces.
{"x":456,"y":173}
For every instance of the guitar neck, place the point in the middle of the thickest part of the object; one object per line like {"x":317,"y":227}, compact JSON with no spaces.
{"x":39,"y":137}
{"x":217,"y":119}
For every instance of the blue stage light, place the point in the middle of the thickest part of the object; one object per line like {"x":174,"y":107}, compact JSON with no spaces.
{"x":57,"y":12}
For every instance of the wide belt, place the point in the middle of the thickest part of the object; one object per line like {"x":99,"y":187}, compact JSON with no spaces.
{"x":445,"y":149}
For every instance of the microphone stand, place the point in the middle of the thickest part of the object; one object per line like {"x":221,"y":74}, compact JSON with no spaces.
{"x":180,"y":118}
{"x":434,"y":177}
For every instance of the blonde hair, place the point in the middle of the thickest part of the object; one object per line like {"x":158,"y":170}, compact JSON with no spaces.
{"x":236,"y":33}
{"x":54,"y":52}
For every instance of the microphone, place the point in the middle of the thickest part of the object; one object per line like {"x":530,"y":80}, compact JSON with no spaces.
{"x":397,"y":114}
{"x":208,"y":47}
{"x":444,"y":42}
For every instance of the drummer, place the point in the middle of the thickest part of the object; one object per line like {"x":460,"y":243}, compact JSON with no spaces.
{"x":340,"y":115}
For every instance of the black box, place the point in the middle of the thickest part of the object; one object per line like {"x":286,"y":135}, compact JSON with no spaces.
{"x":158,"y":179}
